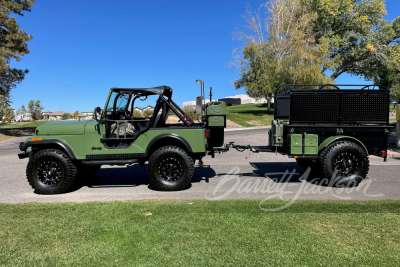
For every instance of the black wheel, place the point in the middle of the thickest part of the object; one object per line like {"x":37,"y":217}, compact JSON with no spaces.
{"x":50,"y":171}
{"x":309,"y":163}
{"x":170,"y":168}
{"x":348,"y":160}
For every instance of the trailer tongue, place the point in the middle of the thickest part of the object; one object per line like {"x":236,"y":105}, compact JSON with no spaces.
{"x":330,"y":128}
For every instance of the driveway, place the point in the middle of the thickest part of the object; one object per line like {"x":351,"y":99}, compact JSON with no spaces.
{"x":227,"y":176}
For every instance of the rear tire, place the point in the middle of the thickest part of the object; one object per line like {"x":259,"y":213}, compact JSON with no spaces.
{"x":50,"y":171}
{"x":170,"y":168}
{"x":348,"y":159}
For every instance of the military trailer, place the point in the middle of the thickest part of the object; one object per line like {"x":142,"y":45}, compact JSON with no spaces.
{"x":333,"y":129}
{"x":62,"y":153}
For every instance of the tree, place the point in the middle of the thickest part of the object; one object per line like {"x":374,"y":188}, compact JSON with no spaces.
{"x":31,"y":106}
{"x":75,"y":115}
{"x":361,"y":41}
{"x":66,"y":116}
{"x":13,"y":43}
{"x":22,"y":110}
{"x":302,"y":41}
{"x":395,"y":94}
{"x":35,"y":109}
{"x":4,"y":105}
{"x":9,"y":114}
{"x":279,"y":50}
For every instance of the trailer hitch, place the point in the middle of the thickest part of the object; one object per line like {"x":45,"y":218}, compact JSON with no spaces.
{"x":241,"y":148}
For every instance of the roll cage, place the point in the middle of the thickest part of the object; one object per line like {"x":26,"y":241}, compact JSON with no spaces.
{"x":120,"y":117}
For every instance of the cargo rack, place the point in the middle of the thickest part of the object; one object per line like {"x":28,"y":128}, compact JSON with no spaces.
{"x":332,"y":104}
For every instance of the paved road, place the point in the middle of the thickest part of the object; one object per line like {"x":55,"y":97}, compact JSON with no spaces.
{"x":227,"y":176}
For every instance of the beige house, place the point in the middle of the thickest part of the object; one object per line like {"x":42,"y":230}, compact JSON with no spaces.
{"x":53,"y":115}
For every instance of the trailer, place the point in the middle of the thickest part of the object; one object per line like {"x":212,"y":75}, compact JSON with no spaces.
{"x":332,"y":129}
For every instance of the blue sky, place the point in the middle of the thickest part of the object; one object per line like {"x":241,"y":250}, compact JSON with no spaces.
{"x":83,"y":48}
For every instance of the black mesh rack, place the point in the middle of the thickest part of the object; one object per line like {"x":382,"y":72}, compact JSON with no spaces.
{"x":332,"y":104}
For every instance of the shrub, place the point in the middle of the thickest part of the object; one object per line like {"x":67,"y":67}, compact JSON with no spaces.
{"x":137,"y":114}
{"x":193,"y":115}
{"x":148,"y":113}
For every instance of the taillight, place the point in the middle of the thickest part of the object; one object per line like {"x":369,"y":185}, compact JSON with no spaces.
{"x":207,"y":133}
{"x":383,"y":153}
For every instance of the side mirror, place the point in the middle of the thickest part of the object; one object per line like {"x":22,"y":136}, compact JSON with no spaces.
{"x":97,"y":111}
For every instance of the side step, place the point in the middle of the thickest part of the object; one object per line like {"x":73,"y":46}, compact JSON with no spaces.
{"x":110,"y":162}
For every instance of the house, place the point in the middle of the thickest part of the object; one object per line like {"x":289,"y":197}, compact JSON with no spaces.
{"x":142,"y":110}
{"x":46,"y":114}
{"x":86,"y":115}
{"x":22,"y":117}
{"x":241,"y":99}
{"x":55,"y":115}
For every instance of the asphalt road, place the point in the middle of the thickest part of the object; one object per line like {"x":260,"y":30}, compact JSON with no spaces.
{"x":227,"y":176}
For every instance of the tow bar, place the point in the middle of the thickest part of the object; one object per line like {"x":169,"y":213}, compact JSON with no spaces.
{"x":240,"y":148}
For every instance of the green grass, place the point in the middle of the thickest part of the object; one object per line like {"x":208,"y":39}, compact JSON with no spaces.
{"x":11,"y":130}
{"x":208,"y":233}
{"x":21,"y":125}
{"x":250,"y":115}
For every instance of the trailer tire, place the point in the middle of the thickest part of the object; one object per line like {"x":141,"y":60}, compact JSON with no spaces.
{"x":51,"y":171}
{"x":170,"y":168}
{"x":344,"y":164}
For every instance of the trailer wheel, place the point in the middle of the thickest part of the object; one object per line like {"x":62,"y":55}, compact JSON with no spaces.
{"x":50,"y":171}
{"x":344,"y":163}
{"x":170,"y":168}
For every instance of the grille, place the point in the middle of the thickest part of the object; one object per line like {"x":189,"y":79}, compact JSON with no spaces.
{"x":364,"y":108}
{"x":339,"y":107}
{"x":315,"y":107}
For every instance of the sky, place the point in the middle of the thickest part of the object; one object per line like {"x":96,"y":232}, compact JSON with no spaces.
{"x":81,"y":49}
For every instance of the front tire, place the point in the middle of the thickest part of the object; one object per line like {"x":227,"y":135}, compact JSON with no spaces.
{"x":170,"y":168}
{"x":50,"y":171}
{"x":348,"y":160}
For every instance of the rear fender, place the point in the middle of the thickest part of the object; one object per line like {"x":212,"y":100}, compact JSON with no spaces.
{"x":332,"y":139}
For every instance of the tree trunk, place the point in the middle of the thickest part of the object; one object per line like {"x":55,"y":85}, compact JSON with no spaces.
{"x":269,"y":98}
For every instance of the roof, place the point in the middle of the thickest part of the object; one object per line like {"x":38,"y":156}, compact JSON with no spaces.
{"x":89,"y":111}
{"x":57,"y":113}
{"x":159,"y":90}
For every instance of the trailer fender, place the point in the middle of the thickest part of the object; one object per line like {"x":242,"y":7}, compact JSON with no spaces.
{"x":332,"y":139}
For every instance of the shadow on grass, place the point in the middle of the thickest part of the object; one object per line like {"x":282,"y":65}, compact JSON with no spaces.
{"x":17,"y":132}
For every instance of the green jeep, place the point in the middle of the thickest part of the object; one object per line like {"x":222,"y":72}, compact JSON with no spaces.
{"x":62,"y":153}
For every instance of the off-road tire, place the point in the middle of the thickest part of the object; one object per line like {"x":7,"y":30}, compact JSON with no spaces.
{"x":348,"y":157}
{"x":170,"y":162}
{"x":40,"y":161}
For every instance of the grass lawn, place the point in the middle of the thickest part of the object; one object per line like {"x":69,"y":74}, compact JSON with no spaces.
{"x":208,"y":233}
{"x":250,"y":115}
{"x":16,"y":129}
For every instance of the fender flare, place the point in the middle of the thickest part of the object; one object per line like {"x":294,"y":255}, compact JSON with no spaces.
{"x":55,"y":142}
{"x":332,"y":139}
{"x":165,"y":136}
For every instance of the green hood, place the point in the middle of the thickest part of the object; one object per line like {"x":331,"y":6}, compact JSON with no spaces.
{"x":62,"y":128}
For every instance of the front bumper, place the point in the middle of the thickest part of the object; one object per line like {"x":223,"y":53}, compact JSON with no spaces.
{"x":23,"y":155}
{"x":23,"y":148}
